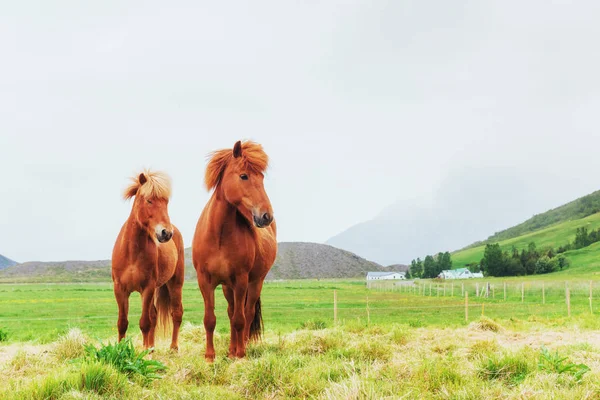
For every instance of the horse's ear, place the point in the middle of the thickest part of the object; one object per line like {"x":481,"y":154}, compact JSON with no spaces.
{"x":142,"y":178}
{"x":237,"y":149}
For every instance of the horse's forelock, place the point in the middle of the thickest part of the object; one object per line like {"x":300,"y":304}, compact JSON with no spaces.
{"x":253,"y":157}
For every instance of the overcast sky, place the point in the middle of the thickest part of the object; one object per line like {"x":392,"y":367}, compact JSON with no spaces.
{"x":360,"y":104}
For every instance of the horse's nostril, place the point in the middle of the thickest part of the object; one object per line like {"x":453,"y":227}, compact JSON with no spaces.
{"x":266,"y":217}
{"x":164,"y":233}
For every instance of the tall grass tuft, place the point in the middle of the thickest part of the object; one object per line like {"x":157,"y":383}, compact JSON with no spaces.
{"x":126,"y":359}
{"x":71,"y":345}
{"x":511,"y":369}
{"x":486,"y":324}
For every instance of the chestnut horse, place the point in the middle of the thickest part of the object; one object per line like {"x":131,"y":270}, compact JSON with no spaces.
{"x":146,"y":260}
{"x":234,"y":244}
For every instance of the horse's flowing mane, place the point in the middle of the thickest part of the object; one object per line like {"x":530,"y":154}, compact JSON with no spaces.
{"x":253,"y":157}
{"x":157,"y":185}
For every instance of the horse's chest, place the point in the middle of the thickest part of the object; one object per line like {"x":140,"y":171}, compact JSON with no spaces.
{"x":167,"y":262}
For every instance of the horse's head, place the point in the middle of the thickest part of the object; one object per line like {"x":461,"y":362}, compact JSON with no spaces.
{"x":239,"y":174}
{"x":150,"y":207}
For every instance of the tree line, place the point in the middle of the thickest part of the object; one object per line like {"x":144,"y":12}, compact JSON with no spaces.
{"x":528,"y":261}
{"x":531,"y":261}
{"x":431,"y":266}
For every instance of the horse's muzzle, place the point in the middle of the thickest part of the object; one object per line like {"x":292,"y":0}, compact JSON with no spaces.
{"x":263,"y":221}
{"x":164,"y":236}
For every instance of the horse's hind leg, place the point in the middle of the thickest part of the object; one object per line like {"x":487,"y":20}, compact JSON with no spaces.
{"x":122,"y":298}
{"x":228,"y":292}
{"x":175,"y":289}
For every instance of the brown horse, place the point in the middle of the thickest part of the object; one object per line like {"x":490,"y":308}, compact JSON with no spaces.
{"x":234,"y":244}
{"x":146,"y":260}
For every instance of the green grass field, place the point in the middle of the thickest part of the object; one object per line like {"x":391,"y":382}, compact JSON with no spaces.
{"x":403,"y":343}
{"x":41,"y":312}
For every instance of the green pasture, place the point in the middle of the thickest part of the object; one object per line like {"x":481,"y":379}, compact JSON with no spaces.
{"x":42,"y":312}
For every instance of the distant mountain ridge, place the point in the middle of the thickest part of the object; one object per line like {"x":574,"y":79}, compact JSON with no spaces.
{"x":295,"y":260}
{"x":6,"y":262}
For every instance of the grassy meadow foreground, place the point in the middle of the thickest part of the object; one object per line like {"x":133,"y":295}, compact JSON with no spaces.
{"x":412,"y":342}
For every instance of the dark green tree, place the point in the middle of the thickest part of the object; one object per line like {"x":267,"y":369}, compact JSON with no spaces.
{"x":493,"y":260}
{"x":429,"y":267}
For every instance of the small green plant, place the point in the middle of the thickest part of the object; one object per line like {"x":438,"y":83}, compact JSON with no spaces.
{"x":125,"y":359}
{"x":314,"y":325}
{"x":416,"y":323}
{"x":555,"y":363}
{"x":3,"y":335}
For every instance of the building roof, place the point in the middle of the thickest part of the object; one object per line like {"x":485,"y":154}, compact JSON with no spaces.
{"x":377,"y":274}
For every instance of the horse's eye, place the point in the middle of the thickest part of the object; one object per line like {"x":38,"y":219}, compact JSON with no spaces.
{"x":149,"y":201}
{"x":244,"y":177}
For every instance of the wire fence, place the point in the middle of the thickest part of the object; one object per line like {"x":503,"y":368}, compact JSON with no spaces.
{"x":291,"y":305}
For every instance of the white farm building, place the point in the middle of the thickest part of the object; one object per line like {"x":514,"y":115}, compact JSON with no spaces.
{"x":460,"y":273}
{"x":378,"y":276}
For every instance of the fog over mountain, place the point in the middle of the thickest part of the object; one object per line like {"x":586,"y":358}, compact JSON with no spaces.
{"x":470,"y":205}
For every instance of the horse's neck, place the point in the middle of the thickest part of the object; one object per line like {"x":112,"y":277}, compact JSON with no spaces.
{"x":225,"y":217}
{"x":138,"y":237}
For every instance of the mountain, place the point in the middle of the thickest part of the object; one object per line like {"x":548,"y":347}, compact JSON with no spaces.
{"x":468,"y":205}
{"x":297,"y":260}
{"x":300,"y":260}
{"x":294,"y":261}
{"x":576,"y":209}
{"x":57,"y":271}
{"x":6,"y":262}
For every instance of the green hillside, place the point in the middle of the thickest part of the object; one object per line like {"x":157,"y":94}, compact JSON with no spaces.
{"x":575,"y":210}
{"x":583,"y":261}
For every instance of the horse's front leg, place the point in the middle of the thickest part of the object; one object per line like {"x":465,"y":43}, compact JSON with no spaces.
{"x":122,"y":297}
{"x":148,"y":319}
{"x":240,"y":291}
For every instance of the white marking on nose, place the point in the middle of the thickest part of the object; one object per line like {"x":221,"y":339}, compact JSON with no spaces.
{"x":158,"y":230}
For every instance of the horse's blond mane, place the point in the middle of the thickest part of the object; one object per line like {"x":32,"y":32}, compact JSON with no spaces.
{"x":253,"y":156}
{"x":157,"y":185}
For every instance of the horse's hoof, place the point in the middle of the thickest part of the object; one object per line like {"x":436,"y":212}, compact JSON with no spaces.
{"x":175,"y":349}
{"x":210,"y":358}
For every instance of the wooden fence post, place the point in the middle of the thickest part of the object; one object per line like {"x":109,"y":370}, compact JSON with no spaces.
{"x":568,"y":294}
{"x":462,"y":289}
{"x":482,"y":308}
{"x":466,"y":306}
{"x":335,"y":307}
{"x":477,"y":289}
{"x":429,"y":288}
{"x":438,"y":290}
{"x":487,"y":291}
{"x":368,"y":313}
{"x":591,"y":309}
{"x":543,"y":293}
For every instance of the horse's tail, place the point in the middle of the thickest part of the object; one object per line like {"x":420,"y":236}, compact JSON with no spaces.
{"x":163,"y":309}
{"x":256,"y":327}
